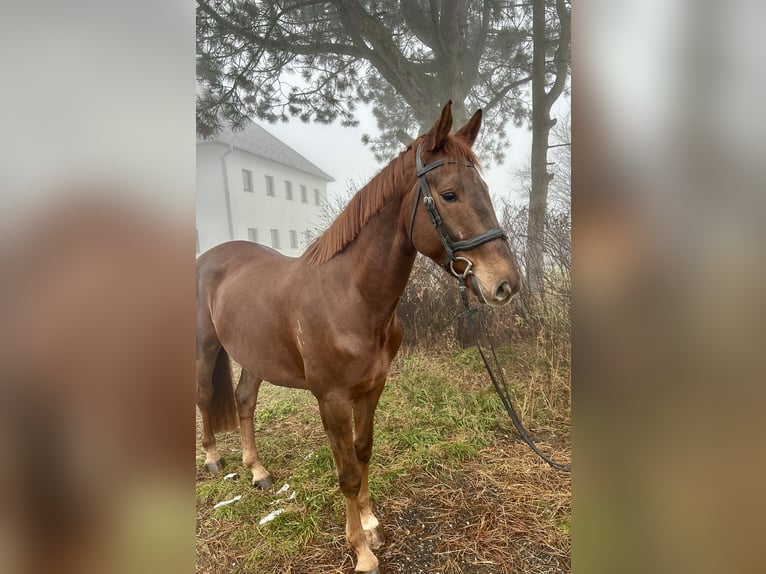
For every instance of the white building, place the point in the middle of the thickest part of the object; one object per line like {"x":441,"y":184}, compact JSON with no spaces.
{"x":252,"y":186}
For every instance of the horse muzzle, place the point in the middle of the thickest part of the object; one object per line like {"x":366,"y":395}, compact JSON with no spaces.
{"x":495,"y":291}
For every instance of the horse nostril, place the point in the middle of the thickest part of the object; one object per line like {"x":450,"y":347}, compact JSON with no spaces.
{"x":506,"y":290}
{"x":503,"y":291}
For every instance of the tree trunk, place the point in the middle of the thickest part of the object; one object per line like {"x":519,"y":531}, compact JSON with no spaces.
{"x":538,"y":195}
{"x":542,"y":123}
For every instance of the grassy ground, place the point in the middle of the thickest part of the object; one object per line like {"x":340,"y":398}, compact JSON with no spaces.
{"x":454,"y":487}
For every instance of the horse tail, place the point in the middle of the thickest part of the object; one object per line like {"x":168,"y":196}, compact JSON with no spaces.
{"x":223,"y":408}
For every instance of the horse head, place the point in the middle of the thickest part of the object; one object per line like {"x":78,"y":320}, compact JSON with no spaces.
{"x":456,"y":225}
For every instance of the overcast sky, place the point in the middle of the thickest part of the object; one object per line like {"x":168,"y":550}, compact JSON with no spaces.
{"x":340,"y":152}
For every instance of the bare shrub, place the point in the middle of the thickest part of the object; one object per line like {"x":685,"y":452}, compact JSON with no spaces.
{"x":429,"y":306}
{"x":544,"y":318}
{"x":430,"y":303}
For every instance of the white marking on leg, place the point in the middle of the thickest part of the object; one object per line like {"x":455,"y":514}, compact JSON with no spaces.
{"x":369,"y":522}
{"x":211,"y":455}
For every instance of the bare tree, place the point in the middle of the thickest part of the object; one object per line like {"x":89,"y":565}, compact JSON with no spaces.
{"x":544,"y":95}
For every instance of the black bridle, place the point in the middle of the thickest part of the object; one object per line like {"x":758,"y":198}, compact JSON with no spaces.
{"x":450,"y":246}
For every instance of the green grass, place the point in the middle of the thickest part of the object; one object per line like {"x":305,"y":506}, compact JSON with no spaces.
{"x":427,"y":420}
{"x":275,"y":411}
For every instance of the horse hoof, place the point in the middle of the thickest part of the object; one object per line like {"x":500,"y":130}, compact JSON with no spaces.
{"x":375,"y":538}
{"x":214,"y":467}
{"x":264,"y":483}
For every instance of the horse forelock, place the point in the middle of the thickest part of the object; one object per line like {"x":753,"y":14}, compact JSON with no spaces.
{"x":394,"y":180}
{"x":456,"y":147}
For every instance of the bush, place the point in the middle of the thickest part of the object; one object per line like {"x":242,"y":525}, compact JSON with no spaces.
{"x":430,"y":304}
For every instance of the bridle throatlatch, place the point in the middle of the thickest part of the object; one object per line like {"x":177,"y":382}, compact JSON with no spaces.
{"x":450,"y":246}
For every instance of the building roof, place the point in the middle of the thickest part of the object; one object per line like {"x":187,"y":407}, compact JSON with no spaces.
{"x":256,"y":140}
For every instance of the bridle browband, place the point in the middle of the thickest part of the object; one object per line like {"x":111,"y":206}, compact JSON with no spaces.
{"x":450,"y":246}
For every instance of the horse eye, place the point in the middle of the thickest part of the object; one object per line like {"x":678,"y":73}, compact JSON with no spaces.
{"x":449,"y":196}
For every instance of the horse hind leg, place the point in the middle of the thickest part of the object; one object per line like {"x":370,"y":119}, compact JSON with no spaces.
{"x":215,"y":400}
{"x":247,"y":397}
{"x":205,"y":391}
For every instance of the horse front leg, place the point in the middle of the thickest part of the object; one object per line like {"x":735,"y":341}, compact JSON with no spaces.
{"x":247,"y":397}
{"x":364,"y":417}
{"x":337,"y":420}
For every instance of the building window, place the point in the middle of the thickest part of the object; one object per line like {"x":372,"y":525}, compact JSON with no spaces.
{"x":252,"y":234}
{"x":270,"y":186}
{"x":317,"y":197}
{"x":304,"y":194}
{"x":288,"y":189}
{"x":275,"y":238}
{"x":247,"y":180}
{"x":197,"y":232}
{"x":293,"y":239}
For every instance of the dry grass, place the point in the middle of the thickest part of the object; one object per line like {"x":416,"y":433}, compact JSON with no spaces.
{"x":454,"y":487}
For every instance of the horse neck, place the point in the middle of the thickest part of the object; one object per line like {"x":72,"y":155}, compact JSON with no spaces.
{"x":383,"y":255}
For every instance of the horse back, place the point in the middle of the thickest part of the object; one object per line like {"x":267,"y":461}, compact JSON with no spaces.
{"x":218,"y":265}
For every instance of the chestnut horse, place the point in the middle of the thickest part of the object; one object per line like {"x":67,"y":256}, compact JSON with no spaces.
{"x":326,"y":321}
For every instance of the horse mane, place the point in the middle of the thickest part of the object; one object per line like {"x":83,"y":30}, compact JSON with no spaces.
{"x":390,"y":181}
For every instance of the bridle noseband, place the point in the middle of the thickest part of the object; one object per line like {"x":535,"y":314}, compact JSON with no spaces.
{"x":450,"y":246}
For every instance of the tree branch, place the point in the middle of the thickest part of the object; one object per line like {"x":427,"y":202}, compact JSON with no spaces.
{"x":472,"y":57}
{"x":499,"y":96}
{"x":392,"y":64}
{"x":288,"y":42}
{"x":562,"y":57}
{"x":418,"y":22}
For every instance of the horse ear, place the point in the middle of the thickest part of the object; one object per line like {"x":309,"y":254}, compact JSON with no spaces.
{"x":471,"y":128}
{"x":438,"y":133}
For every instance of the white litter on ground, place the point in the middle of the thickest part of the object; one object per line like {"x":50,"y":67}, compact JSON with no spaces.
{"x":231,"y":476}
{"x":284,"y":488}
{"x":271,"y":516}
{"x":225,"y":502}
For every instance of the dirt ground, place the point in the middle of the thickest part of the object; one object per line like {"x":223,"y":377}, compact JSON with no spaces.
{"x":477,"y":523}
